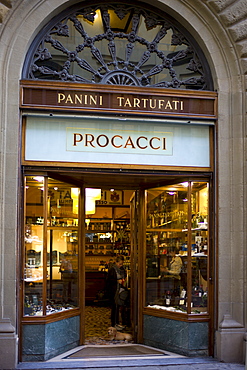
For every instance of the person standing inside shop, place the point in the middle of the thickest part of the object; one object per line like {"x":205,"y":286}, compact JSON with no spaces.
{"x":175,"y":264}
{"x":170,"y":276}
{"x":115,"y":279}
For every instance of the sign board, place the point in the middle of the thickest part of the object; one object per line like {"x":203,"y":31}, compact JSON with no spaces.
{"x":112,"y":140}
{"x":118,"y":99}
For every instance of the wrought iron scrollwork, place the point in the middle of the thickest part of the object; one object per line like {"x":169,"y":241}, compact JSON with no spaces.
{"x":135,"y":47}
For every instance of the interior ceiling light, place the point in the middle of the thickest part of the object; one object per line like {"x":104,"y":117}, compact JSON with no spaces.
{"x":39,"y":178}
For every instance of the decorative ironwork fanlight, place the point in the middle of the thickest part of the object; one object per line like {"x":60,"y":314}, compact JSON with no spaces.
{"x":118,"y":44}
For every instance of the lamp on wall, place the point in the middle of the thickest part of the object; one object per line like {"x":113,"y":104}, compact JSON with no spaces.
{"x":75,"y":197}
{"x":91,"y":196}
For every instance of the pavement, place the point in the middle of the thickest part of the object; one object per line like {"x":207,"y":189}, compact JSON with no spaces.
{"x":192,"y":364}
{"x":148,"y":362}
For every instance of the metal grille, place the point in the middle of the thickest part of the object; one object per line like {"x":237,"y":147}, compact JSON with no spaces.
{"x":118,"y":44}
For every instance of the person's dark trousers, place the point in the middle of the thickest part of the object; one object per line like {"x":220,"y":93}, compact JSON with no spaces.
{"x":114,"y":314}
{"x":125,"y":314}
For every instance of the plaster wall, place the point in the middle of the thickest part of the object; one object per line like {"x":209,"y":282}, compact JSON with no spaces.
{"x":220,"y":28}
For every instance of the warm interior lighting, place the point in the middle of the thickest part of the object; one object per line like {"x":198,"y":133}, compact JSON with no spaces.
{"x":87,"y":221}
{"x":185,"y":184}
{"x":90,"y":206}
{"x":91,"y":196}
{"x":39,"y":178}
{"x":75,"y":196}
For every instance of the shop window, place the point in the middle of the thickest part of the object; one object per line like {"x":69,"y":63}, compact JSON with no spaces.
{"x":177,"y":248}
{"x":34,"y":246}
{"x":51,"y":246}
{"x":118,"y":44}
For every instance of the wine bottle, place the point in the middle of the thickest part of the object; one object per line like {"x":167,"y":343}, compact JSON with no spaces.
{"x":168,"y":298}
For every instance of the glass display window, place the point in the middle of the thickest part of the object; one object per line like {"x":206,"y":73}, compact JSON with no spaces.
{"x":34,"y":246}
{"x":177,"y":248}
{"x":50,"y":246}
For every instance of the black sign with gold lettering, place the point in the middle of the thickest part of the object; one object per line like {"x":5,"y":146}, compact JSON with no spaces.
{"x":118,"y":99}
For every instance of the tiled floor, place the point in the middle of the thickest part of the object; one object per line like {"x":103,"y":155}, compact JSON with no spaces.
{"x":97,"y":322}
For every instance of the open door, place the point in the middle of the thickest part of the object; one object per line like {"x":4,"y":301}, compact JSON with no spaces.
{"x":176,"y":256}
{"x":137,"y":223}
{"x":134,"y":262}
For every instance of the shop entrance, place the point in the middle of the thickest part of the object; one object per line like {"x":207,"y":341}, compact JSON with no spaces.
{"x":115,"y":228}
{"x":78,"y":224}
{"x":107,"y":237}
{"x":166,"y":246}
{"x":164,"y":238}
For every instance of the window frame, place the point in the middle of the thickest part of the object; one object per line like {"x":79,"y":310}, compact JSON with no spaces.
{"x":186,"y":316}
{"x":47,"y":318}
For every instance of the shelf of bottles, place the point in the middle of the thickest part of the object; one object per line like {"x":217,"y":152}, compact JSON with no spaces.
{"x":107,"y":237}
{"x":58,"y":222}
{"x":174,"y":245}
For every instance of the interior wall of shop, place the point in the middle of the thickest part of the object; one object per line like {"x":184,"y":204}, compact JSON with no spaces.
{"x":219,"y":27}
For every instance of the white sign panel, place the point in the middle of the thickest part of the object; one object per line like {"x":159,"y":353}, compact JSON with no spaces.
{"x":125,"y":141}
{"x":116,"y":141}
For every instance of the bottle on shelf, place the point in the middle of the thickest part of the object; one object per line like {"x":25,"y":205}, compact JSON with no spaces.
{"x":200,"y":291}
{"x":182,"y":297}
{"x":183,"y":293}
{"x":168,"y":298}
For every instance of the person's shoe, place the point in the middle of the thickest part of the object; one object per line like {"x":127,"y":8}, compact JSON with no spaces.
{"x":119,"y":327}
